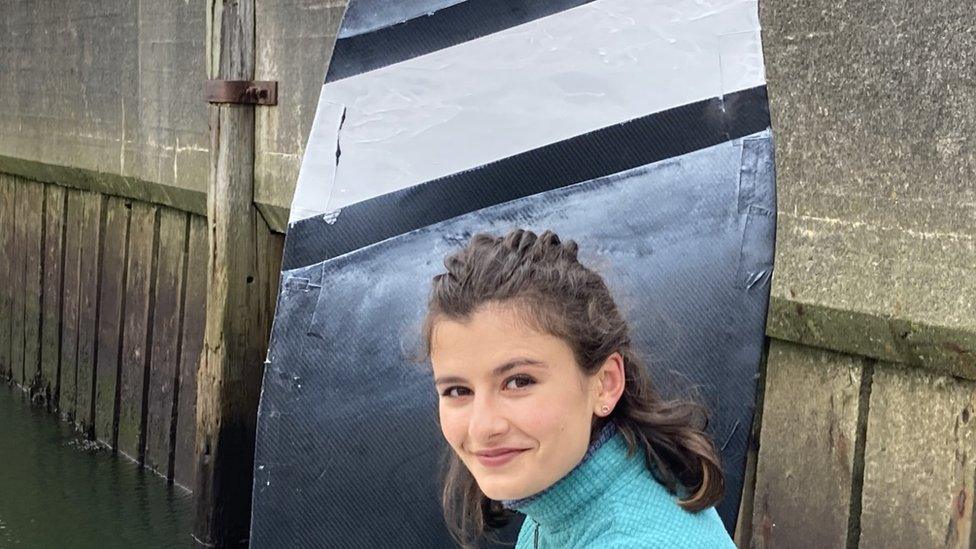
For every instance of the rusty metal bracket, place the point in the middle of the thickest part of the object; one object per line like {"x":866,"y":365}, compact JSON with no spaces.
{"x":246,"y":92}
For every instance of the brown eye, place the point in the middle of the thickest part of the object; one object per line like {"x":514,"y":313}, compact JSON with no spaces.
{"x":521,"y":381}
{"x":452,"y":392}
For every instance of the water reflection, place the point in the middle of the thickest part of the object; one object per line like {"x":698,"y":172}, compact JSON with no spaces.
{"x":57,"y":491}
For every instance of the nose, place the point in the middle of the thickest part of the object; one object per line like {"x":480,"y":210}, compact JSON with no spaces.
{"x":487,"y":421}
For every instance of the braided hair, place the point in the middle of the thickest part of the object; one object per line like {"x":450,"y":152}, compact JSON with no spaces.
{"x":542,"y":278}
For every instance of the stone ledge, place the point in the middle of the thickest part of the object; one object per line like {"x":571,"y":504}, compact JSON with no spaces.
{"x":887,"y":338}
{"x":107,"y":183}
{"x":129,"y":187}
{"x":274,"y":215}
{"x":898,"y":295}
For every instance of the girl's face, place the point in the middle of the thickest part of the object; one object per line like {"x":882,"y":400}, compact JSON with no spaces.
{"x":505,"y":387}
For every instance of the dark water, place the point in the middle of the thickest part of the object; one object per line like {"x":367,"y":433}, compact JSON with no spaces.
{"x":56,"y":493}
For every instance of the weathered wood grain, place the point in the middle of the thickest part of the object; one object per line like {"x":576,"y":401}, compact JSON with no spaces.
{"x":229,"y":380}
{"x":276,"y":249}
{"x":136,"y":329}
{"x":88,"y":311}
{"x":71,"y":300}
{"x":54,"y":225}
{"x":166,"y":341}
{"x":919,"y":461}
{"x":812,"y":403}
{"x":33,"y":271}
{"x":270,"y":246}
{"x":194,"y":325}
{"x":114,"y":247}
{"x":743,"y":525}
{"x":16,"y":282}
{"x":8,"y":225}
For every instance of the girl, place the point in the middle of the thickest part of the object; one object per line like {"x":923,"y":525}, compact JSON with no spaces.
{"x":549,"y":411}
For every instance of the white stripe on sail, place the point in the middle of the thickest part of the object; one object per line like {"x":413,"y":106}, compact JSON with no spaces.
{"x":551,"y":79}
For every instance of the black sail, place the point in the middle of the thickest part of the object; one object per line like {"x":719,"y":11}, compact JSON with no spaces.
{"x":639,"y":129}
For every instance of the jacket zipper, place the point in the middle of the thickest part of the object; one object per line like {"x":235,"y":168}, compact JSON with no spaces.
{"x":536,"y":536}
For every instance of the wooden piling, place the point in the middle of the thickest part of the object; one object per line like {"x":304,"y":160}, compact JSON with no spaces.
{"x":229,"y":377}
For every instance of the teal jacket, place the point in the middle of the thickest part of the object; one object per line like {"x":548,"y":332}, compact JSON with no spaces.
{"x":609,"y":501}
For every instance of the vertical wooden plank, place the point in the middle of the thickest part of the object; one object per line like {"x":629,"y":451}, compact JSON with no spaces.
{"x":70,"y":300}
{"x":166,"y":340}
{"x":919,"y":464}
{"x":33,"y":242}
{"x":806,"y":464}
{"x":277,"y":250}
{"x":111,"y":298}
{"x":54,"y":224}
{"x":17,"y":283}
{"x":88,"y":310}
{"x":7,"y":227}
{"x":270,"y":259}
{"x":743,"y":524}
{"x":194,"y":324}
{"x":264,"y":280}
{"x":135,"y":331}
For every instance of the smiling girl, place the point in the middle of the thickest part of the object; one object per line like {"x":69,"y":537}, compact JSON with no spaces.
{"x":549,"y":411}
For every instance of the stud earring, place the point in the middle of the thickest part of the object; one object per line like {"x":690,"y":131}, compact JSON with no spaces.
{"x":605,"y":409}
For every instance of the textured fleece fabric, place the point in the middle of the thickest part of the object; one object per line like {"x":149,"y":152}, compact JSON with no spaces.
{"x":611,"y":501}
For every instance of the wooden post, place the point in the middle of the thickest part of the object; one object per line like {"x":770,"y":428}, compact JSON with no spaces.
{"x":231,"y":364}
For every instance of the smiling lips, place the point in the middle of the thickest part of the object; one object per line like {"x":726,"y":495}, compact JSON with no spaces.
{"x":498,"y":456}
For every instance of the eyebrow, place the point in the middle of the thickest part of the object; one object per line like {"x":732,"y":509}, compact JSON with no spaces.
{"x":514,"y":363}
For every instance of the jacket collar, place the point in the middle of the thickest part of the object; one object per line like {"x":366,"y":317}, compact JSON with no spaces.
{"x":605,"y":460}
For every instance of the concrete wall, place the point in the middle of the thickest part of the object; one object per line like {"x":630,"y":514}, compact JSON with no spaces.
{"x":866,"y":436}
{"x":873,"y":108}
{"x":294,"y":44}
{"x":108,"y":96}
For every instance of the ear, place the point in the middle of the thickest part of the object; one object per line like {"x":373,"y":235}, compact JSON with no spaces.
{"x":610,"y":383}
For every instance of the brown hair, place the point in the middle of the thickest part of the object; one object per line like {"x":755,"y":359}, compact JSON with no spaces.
{"x":542,"y":277}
